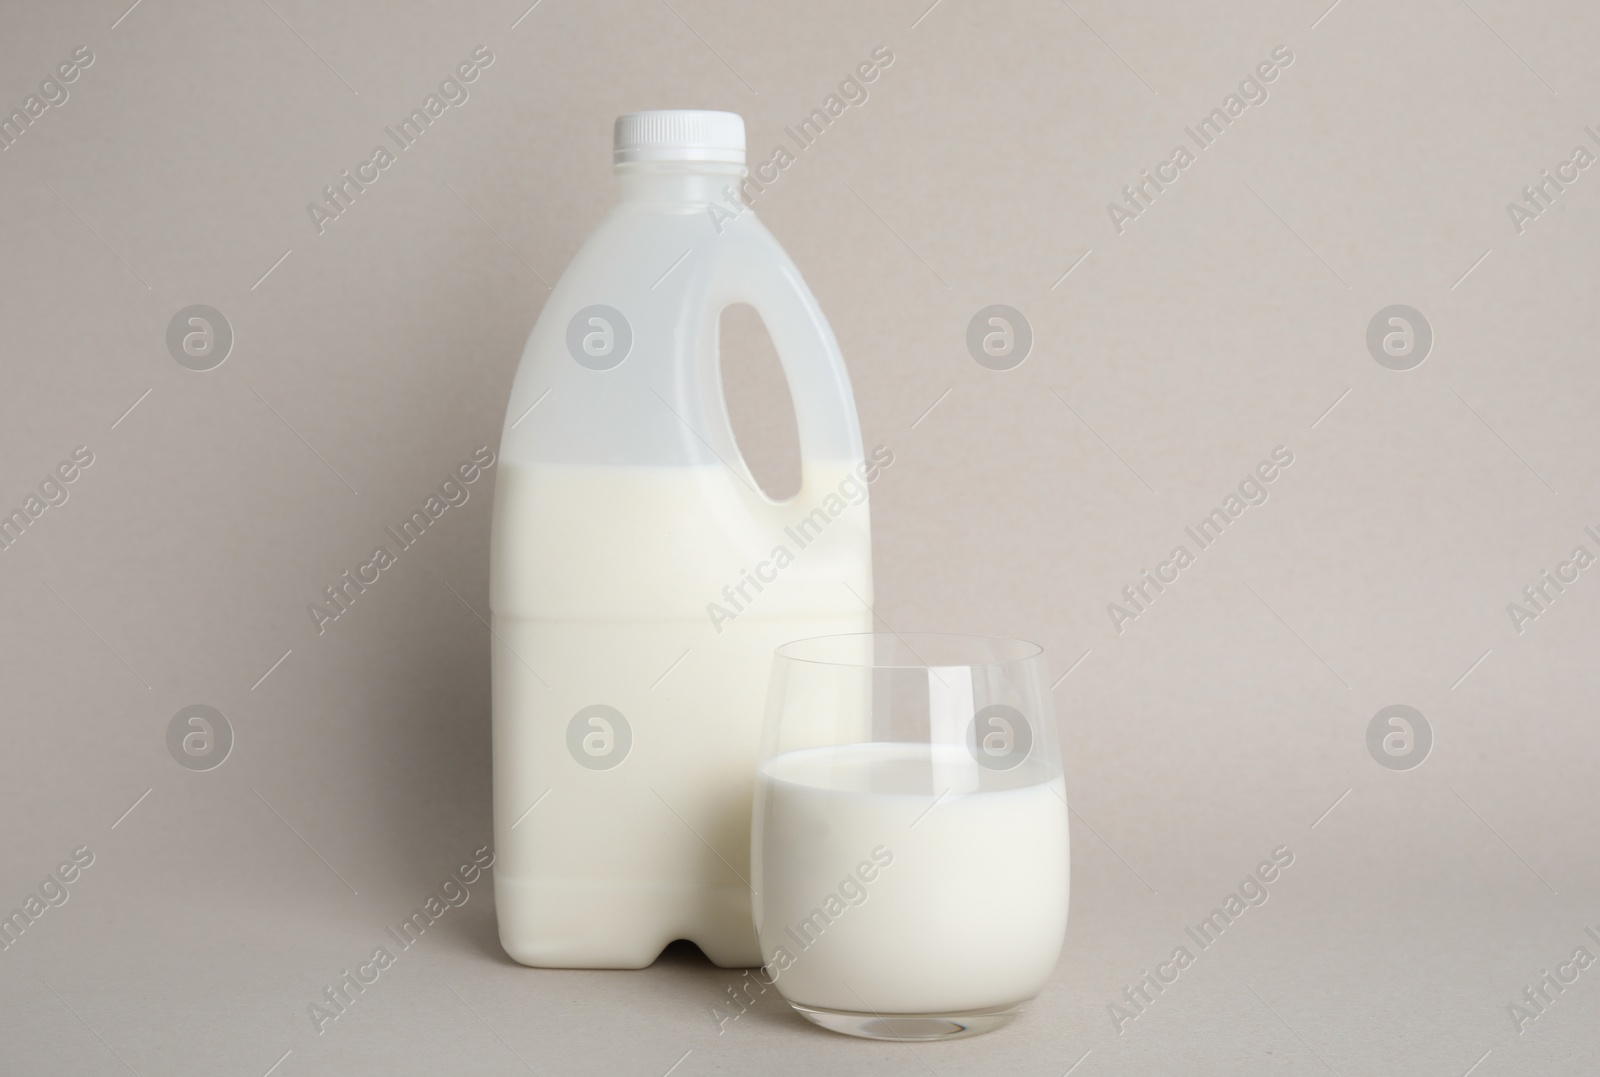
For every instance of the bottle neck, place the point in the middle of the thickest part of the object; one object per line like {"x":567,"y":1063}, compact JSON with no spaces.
{"x":678,"y":183}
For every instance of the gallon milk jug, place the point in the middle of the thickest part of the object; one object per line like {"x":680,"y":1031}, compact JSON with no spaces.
{"x":640,"y":579}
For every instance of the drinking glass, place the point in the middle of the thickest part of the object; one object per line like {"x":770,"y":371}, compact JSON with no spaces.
{"x":909,"y":840}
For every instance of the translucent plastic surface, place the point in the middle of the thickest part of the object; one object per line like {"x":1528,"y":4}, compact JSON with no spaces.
{"x":640,"y":579}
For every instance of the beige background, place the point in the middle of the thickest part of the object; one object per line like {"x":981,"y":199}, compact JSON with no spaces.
{"x":1228,"y":319}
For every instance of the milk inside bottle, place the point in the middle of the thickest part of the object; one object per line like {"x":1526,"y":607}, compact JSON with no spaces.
{"x":640,"y":578}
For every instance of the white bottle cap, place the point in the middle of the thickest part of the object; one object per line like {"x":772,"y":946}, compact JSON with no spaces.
{"x":679,"y":135}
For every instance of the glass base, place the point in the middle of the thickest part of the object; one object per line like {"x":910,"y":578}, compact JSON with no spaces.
{"x":911,"y":1027}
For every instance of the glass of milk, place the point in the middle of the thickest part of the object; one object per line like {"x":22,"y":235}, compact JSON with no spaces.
{"x":909,"y":841}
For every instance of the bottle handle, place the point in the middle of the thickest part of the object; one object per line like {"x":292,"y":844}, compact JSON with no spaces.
{"x":819,"y":384}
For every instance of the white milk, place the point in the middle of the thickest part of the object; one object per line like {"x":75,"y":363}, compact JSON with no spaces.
{"x":615,"y":863}
{"x":870,"y":900}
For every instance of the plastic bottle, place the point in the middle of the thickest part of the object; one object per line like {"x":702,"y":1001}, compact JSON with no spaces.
{"x":640,"y":579}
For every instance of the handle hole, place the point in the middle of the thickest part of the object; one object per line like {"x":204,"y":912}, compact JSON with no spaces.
{"x":760,"y":408}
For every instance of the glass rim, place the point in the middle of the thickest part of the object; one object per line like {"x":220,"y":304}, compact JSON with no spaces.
{"x":1026,"y":649}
